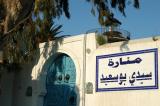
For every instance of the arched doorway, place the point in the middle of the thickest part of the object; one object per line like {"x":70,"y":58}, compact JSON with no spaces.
{"x":60,"y":82}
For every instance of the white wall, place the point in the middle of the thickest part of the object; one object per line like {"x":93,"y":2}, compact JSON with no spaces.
{"x":14,"y":90}
{"x":73,"y":47}
{"x":126,"y":97}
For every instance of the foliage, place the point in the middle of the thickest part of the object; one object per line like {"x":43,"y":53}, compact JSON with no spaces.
{"x":100,"y":39}
{"x":104,"y":8}
{"x":26,"y":23}
{"x":22,"y":40}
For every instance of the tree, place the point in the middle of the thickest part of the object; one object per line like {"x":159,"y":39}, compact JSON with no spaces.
{"x":26,"y":23}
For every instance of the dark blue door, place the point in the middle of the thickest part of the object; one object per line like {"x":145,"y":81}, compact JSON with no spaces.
{"x":60,"y":84}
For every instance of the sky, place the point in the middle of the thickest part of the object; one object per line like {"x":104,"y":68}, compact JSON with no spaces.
{"x":141,"y":23}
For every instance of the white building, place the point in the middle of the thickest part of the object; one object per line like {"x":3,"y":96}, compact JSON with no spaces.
{"x":77,"y":71}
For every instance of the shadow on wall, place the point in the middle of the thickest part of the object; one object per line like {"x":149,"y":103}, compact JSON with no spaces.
{"x":19,"y":89}
{"x":22,"y":86}
{"x":50,"y":48}
{"x":124,"y":46}
{"x":16,"y":87}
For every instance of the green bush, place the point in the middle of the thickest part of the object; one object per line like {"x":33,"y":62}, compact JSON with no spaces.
{"x":101,"y":40}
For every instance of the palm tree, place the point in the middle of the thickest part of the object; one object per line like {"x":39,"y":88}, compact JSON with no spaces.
{"x":32,"y":21}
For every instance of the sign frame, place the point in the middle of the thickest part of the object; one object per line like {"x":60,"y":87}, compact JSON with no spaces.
{"x":154,"y":50}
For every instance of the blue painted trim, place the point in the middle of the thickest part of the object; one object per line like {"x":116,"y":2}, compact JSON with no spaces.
{"x":97,"y":66}
{"x":155,"y":51}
